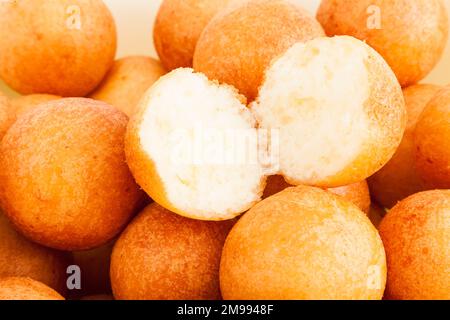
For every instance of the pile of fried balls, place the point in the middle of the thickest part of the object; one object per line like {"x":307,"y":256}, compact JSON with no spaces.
{"x":354,"y":205}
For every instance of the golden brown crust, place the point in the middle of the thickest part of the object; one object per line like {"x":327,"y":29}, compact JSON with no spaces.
{"x":178,"y":26}
{"x":292,"y":246}
{"x":162,"y":255}
{"x":22,"y":258}
{"x":357,"y":193}
{"x":432,"y":140}
{"x":48,"y":53}
{"x":239,"y":44}
{"x":416,"y":237}
{"x":26,"y":289}
{"x":65,"y":183}
{"x":399,"y":178}
{"x":127,"y":81}
{"x":411,"y":37}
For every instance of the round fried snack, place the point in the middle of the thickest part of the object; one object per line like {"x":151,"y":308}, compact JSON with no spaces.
{"x":127,"y":81}
{"x":22,"y":258}
{"x":163,"y":256}
{"x":416,"y":236}
{"x":187,"y":147}
{"x":60,"y":47}
{"x":22,"y":104}
{"x":65,"y":183}
{"x":432,"y":139}
{"x":330,"y":134}
{"x":238,"y":45}
{"x":303,"y":243}
{"x":357,"y":193}
{"x":410,"y":34}
{"x":5,"y":115}
{"x":15,"y":288}
{"x":399,"y":178}
{"x":178,"y":26}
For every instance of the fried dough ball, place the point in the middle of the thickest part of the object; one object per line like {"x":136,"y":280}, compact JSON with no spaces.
{"x":357,"y":193}
{"x":399,"y":178}
{"x":238,"y":45}
{"x":416,"y":236}
{"x":178,"y":148}
{"x":178,"y":26}
{"x":5,"y":115}
{"x":330,"y":134}
{"x":164,"y":256}
{"x":127,"y":81}
{"x":22,"y":104}
{"x":65,"y":183}
{"x":303,"y":243}
{"x":410,"y":34}
{"x":22,"y":258}
{"x":432,"y":139}
{"x":60,"y":47}
{"x":15,"y":288}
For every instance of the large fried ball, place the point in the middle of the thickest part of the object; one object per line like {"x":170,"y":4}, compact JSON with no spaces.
{"x":22,"y":258}
{"x":127,"y":81}
{"x":238,"y":45}
{"x":178,"y":26}
{"x":162,"y":255}
{"x":187,"y":148}
{"x":303,"y":243}
{"x":432,"y":139}
{"x":416,"y":236}
{"x":410,"y":34}
{"x":22,"y":104}
{"x":61,"y":47}
{"x":65,"y":183}
{"x":16,"y":288}
{"x":357,"y":193}
{"x":330,"y":134}
{"x":399,"y":178}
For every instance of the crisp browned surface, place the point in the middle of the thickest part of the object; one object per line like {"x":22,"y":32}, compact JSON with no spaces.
{"x":165,"y":256}
{"x":411,"y":38}
{"x":65,"y":183}
{"x":416,"y":235}
{"x":42,"y":52}
{"x":239,"y":44}
{"x":22,"y":258}
{"x":178,"y":26}
{"x":26,"y":289}
{"x":127,"y":81}
{"x":302,"y":243}
{"x":432,"y":137}
{"x":399,"y":179}
{"x":357,"y":193}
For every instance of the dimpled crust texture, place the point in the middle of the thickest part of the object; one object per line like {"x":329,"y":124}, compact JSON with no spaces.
{"x":239,"y":44}
{"x":399,"y":178}
{"x":22,"y":258}
{"x":190,"y":183}
{"x":178,"y":26}
{"x":65,"y":183}
{"x":61,"y":47}
{"x":330,"y":134}
{"x":410,"y":34}
{"x":165,"y":256}
{"x":303,"y":243}
{"x":127,"y":81}
{"x":357,"y":193}
{"x":432,"y":138}
{"x":416,"y":236}
{"x":15,"y":288}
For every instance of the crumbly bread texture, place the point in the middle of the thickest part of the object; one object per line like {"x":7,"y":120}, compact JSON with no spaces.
{"x":410,"y":34}
{"x":184,"y":148}
{"x":416,"y":236}
{"x":338,"y":108}
{"x":303,"y":243}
